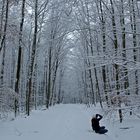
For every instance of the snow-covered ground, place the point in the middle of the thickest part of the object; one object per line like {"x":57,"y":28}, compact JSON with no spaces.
{"x":66,"y":122}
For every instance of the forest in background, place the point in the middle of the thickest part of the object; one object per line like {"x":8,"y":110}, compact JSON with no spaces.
{"x":69,"y":51}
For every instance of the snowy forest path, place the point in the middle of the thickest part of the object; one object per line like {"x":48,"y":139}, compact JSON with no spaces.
{"x":61,"y":122}
{"x":71,"y":122}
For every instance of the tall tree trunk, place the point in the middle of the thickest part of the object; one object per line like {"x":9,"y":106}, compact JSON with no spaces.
{"x":54,"y":79}
{"x":90,"y":52}
{"x":1,"y":22}
{"x":19,"y":59}
{"x":46,"y":80}
{"x":49,"y":78}
{"x":5,"y":26}
{"x":116,"y":49}
{"x":103,"y":29}
{"x":122,"y":23}
{"x":3,"y":43}
{"x":32,"y":59}
{"x":59,"y":97}
{"x":134,"y":31}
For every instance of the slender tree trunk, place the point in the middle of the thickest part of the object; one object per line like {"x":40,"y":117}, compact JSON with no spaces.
{"x":134,"y":31}
{"x":54,"y":80}
{"x":49,"y":78}
{"x":103,"y":29}
{"x":31,"y":67}
{"x":2,"y":66}
{"x":5,"y":26}
{"x":3,"y":43}
{"x":1,"y":22}
{"x":46,"y":80}
{"x":116,"y":49}
{"x":91,"y":52}
{"x":59,"y":98}
{"x":122,"y":23}
{"x":19,"y":59}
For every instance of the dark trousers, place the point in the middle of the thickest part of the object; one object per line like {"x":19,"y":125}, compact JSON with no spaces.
{"x":102,"y":130}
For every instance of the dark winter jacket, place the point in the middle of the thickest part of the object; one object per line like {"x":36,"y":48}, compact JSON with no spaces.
{"x":95,"y":122}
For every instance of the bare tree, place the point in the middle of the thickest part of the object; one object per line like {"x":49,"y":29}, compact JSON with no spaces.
{"x":32,"y":59}
{"x":19,"y":59}
{"x":3,"y":42}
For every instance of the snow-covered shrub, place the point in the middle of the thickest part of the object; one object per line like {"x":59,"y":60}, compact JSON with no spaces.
{"x":7,"y":99}
{"x":129,"y":104}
